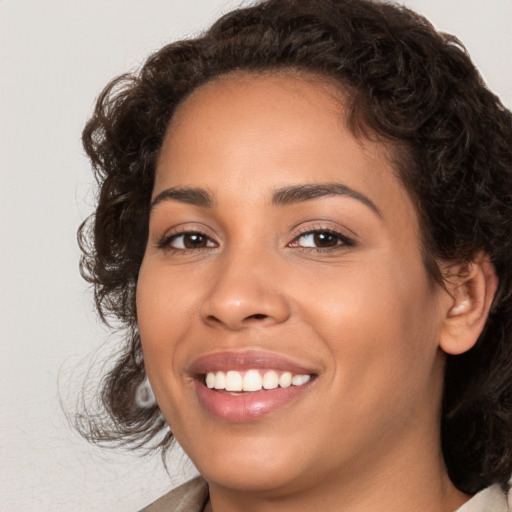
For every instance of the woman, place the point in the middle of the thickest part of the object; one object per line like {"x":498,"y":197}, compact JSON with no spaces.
{"x":304,"y":225}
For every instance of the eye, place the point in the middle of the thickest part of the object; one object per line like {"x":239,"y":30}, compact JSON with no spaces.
{"x":187,"y":241}
{"x":322,"y":239}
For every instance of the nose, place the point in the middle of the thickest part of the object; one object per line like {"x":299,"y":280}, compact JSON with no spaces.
{"x":244,"y":292}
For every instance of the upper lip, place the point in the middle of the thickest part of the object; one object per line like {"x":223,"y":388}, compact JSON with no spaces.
{"x":247,"y":360}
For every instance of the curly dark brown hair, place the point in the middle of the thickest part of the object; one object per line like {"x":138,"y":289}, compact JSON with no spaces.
{"x":407,"y":84}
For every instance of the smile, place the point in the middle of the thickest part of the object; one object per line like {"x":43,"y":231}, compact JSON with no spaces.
{"x":253,"y":380}
{"x":244,"y":386}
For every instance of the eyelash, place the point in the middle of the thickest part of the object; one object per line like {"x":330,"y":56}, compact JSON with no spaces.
{"x":342,"y":241}
{"x":166,"y":241}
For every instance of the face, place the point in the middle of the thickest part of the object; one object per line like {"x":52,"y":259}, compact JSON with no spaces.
{"x":289,"y":328}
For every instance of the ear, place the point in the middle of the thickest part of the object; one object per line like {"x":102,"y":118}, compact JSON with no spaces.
{"x":471,"y":288}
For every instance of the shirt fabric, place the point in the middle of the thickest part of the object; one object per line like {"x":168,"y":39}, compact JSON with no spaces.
{"x":193,"y":496}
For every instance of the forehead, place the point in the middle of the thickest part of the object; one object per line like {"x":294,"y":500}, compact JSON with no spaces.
{"x":269,"y":110}
{"x":261,"y":131}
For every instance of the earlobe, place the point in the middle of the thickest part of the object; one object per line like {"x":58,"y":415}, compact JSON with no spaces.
{"x":471,"y":288}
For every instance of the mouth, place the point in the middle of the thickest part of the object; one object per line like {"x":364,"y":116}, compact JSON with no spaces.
{"x":243,"y":387}
{"x":253,"y":380}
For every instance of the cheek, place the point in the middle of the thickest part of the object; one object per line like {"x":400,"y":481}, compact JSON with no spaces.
{"x":379,"y":322}
{"x":161,"y":313}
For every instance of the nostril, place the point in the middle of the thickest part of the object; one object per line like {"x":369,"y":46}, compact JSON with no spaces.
{"x":257,"y":316}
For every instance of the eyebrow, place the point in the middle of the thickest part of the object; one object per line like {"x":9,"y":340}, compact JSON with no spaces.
{"x":300,"y":193}
{"x":284,"y":196}
{"x":188,"y":195}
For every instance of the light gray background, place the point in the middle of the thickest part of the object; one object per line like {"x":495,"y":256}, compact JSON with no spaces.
{"x":55,"y":58}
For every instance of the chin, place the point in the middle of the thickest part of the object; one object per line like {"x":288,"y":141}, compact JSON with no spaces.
{"x":251,"y":464}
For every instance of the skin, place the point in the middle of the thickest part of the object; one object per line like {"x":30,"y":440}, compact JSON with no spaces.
{"x":364,"y":315}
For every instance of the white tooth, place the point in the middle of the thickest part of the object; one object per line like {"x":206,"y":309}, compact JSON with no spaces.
{"x":220,"y":380}
{"x":270,"y":380}
{"x":298,"y":380}
{"x":285,"y":380}
{"x":252,"y":381}
{"x":233,"y":381}
{"x":210,"y":380}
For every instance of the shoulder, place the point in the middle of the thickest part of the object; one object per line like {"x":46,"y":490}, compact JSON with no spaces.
{"x":192,"y":497}
{"x":189,"y":497}
{"x":492,"y":499}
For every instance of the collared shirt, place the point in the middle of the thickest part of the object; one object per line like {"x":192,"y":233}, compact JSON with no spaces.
{"x":193,"y":495}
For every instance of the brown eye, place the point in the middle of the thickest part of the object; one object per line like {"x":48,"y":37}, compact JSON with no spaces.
{"x":322,"y":240}
{"x":318,"y":239}
{"x":325,"y":240}
{"x":185,"y":241}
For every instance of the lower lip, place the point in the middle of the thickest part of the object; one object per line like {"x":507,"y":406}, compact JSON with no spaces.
{"x":244,"y":407}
